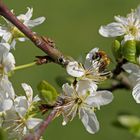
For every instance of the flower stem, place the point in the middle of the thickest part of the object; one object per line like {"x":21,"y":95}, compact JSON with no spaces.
{"x":25,"y":66}
{"x":39,"y":132}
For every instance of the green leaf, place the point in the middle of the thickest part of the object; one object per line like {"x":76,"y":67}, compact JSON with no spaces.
{"x":129,"y":51}
{"x":47,"y":92}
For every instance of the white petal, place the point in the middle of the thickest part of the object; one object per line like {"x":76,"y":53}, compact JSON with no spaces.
{"x":35,"y":22}
{"x":7,"y":104}
{"x":112,"y":30}
{"x":4,"y":50}
{"x":33,"y":122}
{"x":9,"y":63}
{"x":84,"y":86}
{"x":3,"y":30}
{"x":29,"y":13}
{"x":28,"y":90}
{"x":7,"y":36}
{"x":6,"y":86}
{"x":27,"y":16}
{"x":127,"y":38}
{"x":67,"y":90}
{"x":92,"y":53}
{"x":136,"y":92}
{"x":89,"y":120}
{"x":22,"y":39}
{"x":101,"y":98}
{"x":121,"y":20}
{"x":13,"y":44}
{"x":36,"y":98}
{"x":21,"y":105}
{"x":74,"y":69}
{"x":131,"y":68}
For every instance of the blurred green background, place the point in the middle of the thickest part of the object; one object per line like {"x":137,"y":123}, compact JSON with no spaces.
{"x":73,"y":25}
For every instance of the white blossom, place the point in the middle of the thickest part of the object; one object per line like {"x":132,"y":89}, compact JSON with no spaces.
{"x":19,"y":120}
{"x":84,"y":100}
{"x":91,"y":70}
{"x":10,"y":33}
{"x":7,"y":64}
{"x":134,"y":71}
{"x":128,"y":27}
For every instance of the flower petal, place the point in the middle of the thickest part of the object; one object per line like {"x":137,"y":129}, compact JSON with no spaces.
{"x":7,"y":104}
{"x":131,"y":68}
{"x":74,"y":69}
{"x":92,"y":53}
{"x":67,"y":90}
{"x":89,"y":120}
{"x":35,"y":22}
{"x":112,"y":30}
{"x":84,"y":86}
{"x":33,"y":122}
{"x":136,"y":92}
{"x":28,"y":90}
{"x":21,"y":105}
{"x":101,"y":98}
{"x":9,"y":63}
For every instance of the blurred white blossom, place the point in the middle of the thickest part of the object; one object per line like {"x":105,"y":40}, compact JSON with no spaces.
{"x":128,"y":27}
{"x":93,"y":69}
{"x":83,"y":99}
{"x":134,"y":71}
{"x":10,"y":33}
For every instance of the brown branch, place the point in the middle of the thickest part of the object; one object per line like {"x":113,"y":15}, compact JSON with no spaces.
{"x":120,"y":82}
{"x":44,"y":44}
{"x":39,"y":132}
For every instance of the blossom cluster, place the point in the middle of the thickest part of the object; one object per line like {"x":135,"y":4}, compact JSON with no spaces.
{"x":127,"y":31}
{"x":16,"y":112}
{"x":82,"y":97}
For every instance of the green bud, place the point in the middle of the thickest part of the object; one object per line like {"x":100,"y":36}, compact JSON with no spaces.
{"x":129,"y":51}
{"x":47,"y":92}
{"x":116,"y":49}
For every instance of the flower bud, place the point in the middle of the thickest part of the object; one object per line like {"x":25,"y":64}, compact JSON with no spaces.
{"x":129,"y":51}
{"x":116,"y":49}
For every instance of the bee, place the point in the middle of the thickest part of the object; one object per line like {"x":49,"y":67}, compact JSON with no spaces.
{"x":102,"y":58}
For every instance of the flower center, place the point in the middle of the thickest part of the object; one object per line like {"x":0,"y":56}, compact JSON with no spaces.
{"x":78,"y":101}
{"x":133,"y":30}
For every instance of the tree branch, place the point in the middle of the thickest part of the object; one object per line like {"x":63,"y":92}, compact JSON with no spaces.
{"x":44,"y":44}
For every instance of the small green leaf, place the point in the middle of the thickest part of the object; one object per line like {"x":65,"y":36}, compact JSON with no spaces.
{"x":116,"y":49}
{"x":129,"y":51}
{"x":47,"y":92}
